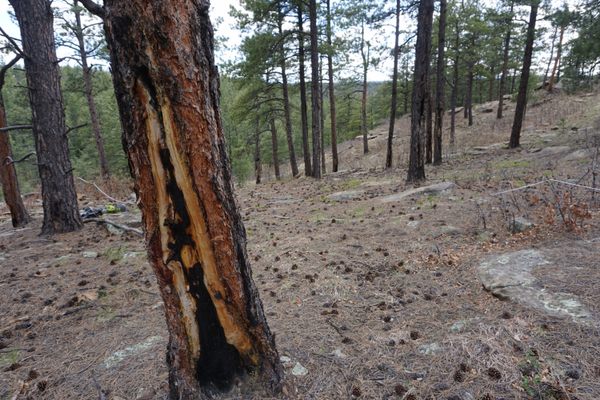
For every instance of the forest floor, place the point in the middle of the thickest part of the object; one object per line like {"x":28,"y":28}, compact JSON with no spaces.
{"x":372,"y":292}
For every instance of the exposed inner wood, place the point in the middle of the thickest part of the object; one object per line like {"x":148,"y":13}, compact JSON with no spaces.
{"x":162,"y":139}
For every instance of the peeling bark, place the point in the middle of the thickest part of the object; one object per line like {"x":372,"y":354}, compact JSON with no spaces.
{"x":167,"y":88}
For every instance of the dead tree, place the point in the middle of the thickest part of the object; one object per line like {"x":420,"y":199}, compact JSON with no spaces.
{"x":59,"y":198}
{"x":167,"y":89}
{"x":8,"y":173}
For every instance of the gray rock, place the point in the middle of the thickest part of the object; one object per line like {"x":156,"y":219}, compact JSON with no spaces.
{"x":435,"y":189}
{"x":448,"y":230}
{"x":553,"y":150}
{"x":510,"y":276}
{"x":458,"y":326}
{"x":299,"y":370}
{"x":89,"y":254}
{"x":521,"y":224}
{"x":347,"y":195}
{"x":430,"y":349}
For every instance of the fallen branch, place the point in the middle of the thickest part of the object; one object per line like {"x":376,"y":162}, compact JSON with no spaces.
{"x":119,"y":226}
{"x":103,"y":192}
{"x":544,"y":182}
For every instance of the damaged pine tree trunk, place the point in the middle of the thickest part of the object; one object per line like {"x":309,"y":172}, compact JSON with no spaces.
{"x":167,"y":88}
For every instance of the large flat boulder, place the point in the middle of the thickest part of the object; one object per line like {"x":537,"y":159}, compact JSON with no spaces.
{"x":511,"y":276}
{"x":435,"y":189}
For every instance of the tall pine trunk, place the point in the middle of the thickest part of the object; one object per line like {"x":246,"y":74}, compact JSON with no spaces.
{"x":416,"y":166}
{"x":315,"y":91}
{"x":303,"y":101}
{"x":167,"y":89}
{"x":429,"y":126}
{"x":89,"y":92}
{"x":365,"y":87}
{"x":515,"y":135}
{"x":332,"y":116}
{"x":440,"y":93}
{"x":394,"y":99}
{"x":274,"y":147}
{"x":286,"y":101}
{"x":61,"y":213}
{"x":8,"y":173}
{"x":469,"y":94}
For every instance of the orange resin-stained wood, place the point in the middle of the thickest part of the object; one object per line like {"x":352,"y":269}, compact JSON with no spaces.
{"x":167,"y":89}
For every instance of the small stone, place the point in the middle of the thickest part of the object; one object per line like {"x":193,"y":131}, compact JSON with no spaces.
{"x":430,"y":349}
{"x":521,"y":225}
{"x":458,"y":326}
{"x":299,"y":370}
{"x":285,"y":359}
{"x":338,"y":353}
{"x":89,"y":254}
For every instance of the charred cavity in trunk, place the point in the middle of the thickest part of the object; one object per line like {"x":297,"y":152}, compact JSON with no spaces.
{"x":219,"y":362}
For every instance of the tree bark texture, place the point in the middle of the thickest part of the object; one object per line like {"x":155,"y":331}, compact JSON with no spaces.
{"x":515,"y":135}
{"x":167,"y":89}
{"x":286,"y":102}
{"x":89,"y":92}
{"x":303,"y":100}
{"x":429,"y":126}
{"x":365,"y":90}
{"x":416,"y":166}
{"x":440,"y":93}
{"x":454,"y":92}
{"x":315,"y":91}
{"x":394,"y":100}
{"x":332,"y":113}
{"x":61,"y":213}
{"x":8,"y":173}
{"x":275,"y":147}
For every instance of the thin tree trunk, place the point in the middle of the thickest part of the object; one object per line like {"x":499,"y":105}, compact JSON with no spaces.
{"x":557,"y":60}
{"x":286,"y":102}
{"x":502,"y":89}
{"x":332,"y":116}
{"x":394,"y":100}
{"x":469,"y":94}
{"x":440,"y":93}
{"x":322,"y":100}
{"x":303,"y":101}
{"x":315,"y":92}
{"x":61,"y":213}
{"x":416,"y":166}
{"x":453,"y":98}
{"x":88,"y":90}
{"x":257,"y":158}
{"x":551,"y":55}
{"x":8,"y":173}
{"x":363,"y":104}
{"x":491,"y":84}
{"x":167,"y":89}
{"x":515,"y":135}
{"x":274,"y":148}
{"x":429,"y":125}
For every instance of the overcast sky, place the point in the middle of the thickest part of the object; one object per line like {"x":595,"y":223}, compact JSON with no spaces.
{"x":226,"y":29}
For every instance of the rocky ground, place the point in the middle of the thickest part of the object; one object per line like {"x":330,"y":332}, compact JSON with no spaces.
{"x":461,"y":289}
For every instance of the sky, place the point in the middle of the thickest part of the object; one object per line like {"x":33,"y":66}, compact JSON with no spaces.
{"x":225,"y":28}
